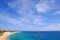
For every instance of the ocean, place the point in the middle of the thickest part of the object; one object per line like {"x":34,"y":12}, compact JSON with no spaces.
{"x":35,"y":35}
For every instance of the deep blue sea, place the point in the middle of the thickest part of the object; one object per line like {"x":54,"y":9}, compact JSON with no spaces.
{"x":36,"y":35}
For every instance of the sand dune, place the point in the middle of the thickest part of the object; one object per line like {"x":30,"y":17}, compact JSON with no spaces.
{"x":5,"y":35}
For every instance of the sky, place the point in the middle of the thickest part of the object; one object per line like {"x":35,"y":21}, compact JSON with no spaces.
{"x":30,"y":15}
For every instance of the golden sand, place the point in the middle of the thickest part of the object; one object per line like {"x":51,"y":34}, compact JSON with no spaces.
{"x":5,"y":35}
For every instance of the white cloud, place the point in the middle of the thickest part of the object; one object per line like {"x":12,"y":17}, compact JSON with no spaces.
{"x":29,"y":28}
{"x":58,"y":12}
{"x":13,"y":3}
{"x":44,"y":6}
{"x":37,"y":21}
{"x":9,"y":19}
{"x":48,"y":28}
{"x":20,"y":21}
{"x":53,"y":28}
{"x":17,"y":23}
{"x":23,"y":7}
{"x":58,"y":24}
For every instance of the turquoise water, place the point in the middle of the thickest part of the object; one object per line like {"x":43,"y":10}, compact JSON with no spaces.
{"x":37,"y":35}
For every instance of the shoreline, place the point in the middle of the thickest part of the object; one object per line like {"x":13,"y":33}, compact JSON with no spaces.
{"x":5,"y":35}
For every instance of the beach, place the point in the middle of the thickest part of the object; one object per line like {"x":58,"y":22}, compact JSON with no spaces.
{"x":31,"y":35}
{"x":5,"y":35}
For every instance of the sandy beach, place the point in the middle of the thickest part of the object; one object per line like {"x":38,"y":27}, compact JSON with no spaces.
{"x":5,"y":35}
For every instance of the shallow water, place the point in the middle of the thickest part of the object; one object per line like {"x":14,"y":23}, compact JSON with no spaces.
{"x":36,"y":35}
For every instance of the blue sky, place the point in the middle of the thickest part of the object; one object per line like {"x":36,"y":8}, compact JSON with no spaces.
{"x":30,"y":15}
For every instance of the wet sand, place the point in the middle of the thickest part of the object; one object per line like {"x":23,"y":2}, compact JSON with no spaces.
{"x":5,"y":35}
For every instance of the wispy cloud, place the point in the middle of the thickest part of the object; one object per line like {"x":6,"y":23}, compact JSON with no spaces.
{"x":16,"y":21}
{"x":29,"y":28}
{"x":37,"y":21}
{"x":24,"y":8}
{"x":28,"y":18}
{"x":50,"y":28}
{"x":9,"y":19}
{"x":58,"y":24}
{"x":44,"y":5}
{"x":57,"y":12}
{"x":47,"y":28}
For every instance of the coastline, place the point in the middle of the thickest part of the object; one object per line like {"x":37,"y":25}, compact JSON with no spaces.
{"x":5,"y":35}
